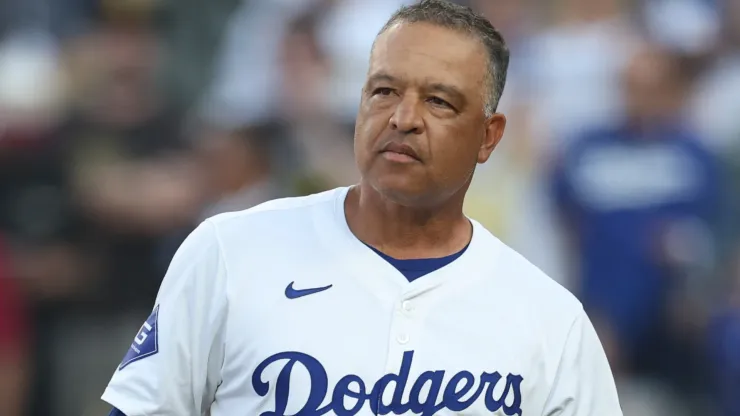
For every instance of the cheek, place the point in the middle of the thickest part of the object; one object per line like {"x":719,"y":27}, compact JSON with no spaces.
{"x":367,"y":131}
{"x":455,"y":149}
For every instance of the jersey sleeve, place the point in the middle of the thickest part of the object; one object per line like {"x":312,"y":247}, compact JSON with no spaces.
{"x":174,"y":362}
{"x":584,"y":384}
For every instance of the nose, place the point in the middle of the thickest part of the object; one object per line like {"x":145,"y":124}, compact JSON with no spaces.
{"x":407,"y":117}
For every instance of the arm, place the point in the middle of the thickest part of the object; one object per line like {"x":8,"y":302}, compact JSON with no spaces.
{"x":143,"y":196}
{"x":173,"y":365}
{"x":688,"y":250}
{"x":583,"y":385}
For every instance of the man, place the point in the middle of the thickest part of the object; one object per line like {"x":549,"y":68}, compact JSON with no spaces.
{"x":639,"y":199}
{"x":382,"y":297}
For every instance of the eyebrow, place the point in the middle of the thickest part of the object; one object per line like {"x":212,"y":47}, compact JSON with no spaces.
{"x":381,"y":77}
{"x":447,"y":89}
{"x":439,"y":87}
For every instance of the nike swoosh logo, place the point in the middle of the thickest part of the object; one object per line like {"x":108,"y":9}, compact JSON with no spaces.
{"x":291,"y":293}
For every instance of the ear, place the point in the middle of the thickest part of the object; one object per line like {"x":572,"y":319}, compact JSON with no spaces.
{"x":495,"y":126}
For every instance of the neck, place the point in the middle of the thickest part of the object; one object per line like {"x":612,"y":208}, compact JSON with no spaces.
{"x":407,"y":232}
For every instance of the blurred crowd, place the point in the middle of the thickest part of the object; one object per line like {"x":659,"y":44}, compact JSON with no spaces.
{"x":124,"y":123}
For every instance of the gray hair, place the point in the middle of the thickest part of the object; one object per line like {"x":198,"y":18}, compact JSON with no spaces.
{"x":463,"y":19}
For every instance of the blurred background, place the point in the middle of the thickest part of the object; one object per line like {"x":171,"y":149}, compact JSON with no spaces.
{"x":124,"y":123}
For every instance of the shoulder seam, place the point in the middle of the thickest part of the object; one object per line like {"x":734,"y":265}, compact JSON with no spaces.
{"x":305,"y":203}
{"x":219,"y":246}
{"x":271,"y":206}
{"x":227,"y":275}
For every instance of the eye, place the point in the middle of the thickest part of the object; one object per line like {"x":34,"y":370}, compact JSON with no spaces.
{"x":383,"y":91}
{"x":439,"y":102}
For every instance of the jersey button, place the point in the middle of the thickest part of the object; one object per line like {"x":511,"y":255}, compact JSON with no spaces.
{"x":406,"y":306}
{"x":402,"y":338}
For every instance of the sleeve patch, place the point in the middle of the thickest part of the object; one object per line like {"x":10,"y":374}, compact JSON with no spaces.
{"x":146,"y":342}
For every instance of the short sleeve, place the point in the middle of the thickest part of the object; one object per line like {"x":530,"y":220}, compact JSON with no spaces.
{"x":584,"y":384}
{"x":174,"y":362}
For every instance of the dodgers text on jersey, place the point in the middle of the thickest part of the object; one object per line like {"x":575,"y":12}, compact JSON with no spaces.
{"x":455,"y":395}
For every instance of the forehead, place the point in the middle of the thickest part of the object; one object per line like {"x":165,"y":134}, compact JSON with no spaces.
{"x":422,"y":51}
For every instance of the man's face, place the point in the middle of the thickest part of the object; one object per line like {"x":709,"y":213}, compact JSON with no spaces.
{"x":652,"y":93}
{"x":421,"y":128}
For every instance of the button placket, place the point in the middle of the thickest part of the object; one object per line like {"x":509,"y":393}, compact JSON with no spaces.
{"x":407,"y":306}
{"x":403,"y":322}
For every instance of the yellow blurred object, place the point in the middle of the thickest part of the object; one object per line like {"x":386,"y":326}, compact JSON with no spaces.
{"x":488,"y":203}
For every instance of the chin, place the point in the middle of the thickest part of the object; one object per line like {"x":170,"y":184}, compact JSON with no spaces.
{"x":403,"y":191}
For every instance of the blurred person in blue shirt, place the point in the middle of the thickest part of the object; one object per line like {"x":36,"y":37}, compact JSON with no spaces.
{"x":638,"y":200}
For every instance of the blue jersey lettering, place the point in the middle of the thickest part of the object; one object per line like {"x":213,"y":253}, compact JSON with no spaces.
{"x":352,"y":386}
{"x":146,"y":342}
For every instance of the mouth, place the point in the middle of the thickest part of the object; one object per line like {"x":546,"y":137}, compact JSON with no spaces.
{"x":400,"y":153}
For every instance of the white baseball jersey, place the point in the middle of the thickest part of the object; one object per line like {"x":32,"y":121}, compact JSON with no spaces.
{"x":281,"y":310}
